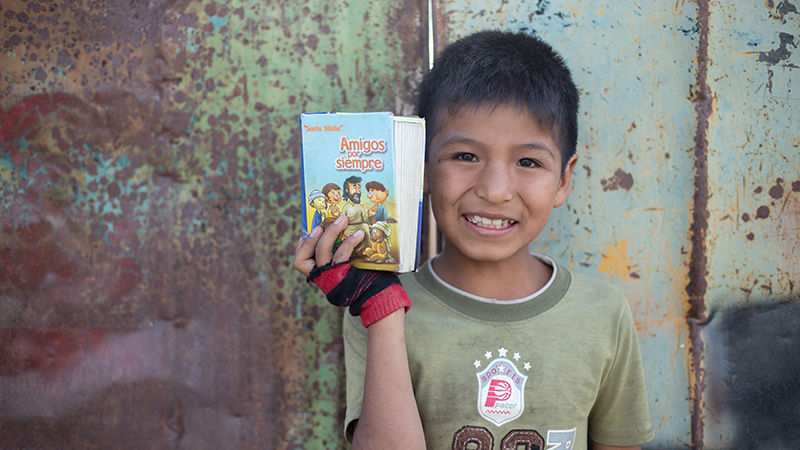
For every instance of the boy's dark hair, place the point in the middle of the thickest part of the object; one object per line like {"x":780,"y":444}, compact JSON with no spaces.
{"x":375,"y":185}
{"x":501,"y":68}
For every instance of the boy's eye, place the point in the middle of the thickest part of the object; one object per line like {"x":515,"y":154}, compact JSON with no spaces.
{"x":527,"y":162}
{"x":469,"y":157}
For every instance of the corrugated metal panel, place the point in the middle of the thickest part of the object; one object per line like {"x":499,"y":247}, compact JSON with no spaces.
{"x":150,"y":196}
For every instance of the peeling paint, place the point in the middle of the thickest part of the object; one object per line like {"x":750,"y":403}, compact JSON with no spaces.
{"x":615,"y":261}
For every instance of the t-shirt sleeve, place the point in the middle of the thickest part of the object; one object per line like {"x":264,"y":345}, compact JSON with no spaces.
{"x":621,"y":415}
{"x":355,"y":360}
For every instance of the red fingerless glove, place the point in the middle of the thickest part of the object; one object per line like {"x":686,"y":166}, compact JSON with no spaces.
{"x":370,"y":294}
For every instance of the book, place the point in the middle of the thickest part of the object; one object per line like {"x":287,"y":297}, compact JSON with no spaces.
{"x":368,"y":166}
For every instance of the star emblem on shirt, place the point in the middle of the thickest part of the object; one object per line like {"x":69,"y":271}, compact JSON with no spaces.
{"x":502,"y":352}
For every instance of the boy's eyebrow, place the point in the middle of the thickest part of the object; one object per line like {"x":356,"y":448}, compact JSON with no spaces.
{"x":456,"y":139}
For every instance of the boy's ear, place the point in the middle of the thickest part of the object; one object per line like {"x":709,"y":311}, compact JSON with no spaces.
{"x":565,"y":185}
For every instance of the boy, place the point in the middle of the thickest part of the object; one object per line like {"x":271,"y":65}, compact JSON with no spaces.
{"x":502,"y":348}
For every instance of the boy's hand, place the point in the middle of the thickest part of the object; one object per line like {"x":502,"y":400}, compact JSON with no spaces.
{"x":370,"y":294}
{"x":317,"y":249}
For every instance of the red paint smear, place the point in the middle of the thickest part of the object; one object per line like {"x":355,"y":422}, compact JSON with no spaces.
{"x":46,"y":350}
{"x":30,"y":110}
{"x":27,"y":270}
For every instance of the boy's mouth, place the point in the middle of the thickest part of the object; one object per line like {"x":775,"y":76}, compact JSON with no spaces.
{"x":485,"y":222}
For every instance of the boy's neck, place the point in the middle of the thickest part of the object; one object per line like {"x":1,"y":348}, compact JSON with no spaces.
{"x":511,"y":279}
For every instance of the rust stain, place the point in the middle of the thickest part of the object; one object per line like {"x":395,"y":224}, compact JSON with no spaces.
{"x":620,"y":180}
{"x":698,"y":263}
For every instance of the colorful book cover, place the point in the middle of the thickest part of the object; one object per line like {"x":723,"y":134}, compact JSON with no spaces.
{"x":349,"y":169}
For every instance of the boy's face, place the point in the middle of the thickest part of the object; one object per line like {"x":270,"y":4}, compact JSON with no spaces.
{"x":494,"y":177}
{"x":377,"y":196}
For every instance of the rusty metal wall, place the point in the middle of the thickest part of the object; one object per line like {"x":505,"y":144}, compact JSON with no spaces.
{"x":687,"y":195}
{"x":149,"y":196}
{"x":149,"y":199}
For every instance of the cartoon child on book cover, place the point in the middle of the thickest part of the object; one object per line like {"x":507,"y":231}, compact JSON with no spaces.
{"x":333,"y":193}
{"x":378,"y":193}
{"x":317,"y":202}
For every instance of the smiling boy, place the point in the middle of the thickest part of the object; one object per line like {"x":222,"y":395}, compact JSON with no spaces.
{"x":502,"y":348}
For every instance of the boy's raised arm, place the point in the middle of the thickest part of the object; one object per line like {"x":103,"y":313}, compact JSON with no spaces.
{"x":389,"y":415}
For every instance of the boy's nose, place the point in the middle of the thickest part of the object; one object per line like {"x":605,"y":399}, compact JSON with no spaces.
{"x":494,"y":184}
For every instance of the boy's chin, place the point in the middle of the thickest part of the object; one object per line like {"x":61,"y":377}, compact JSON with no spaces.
{"x":490,"y":255}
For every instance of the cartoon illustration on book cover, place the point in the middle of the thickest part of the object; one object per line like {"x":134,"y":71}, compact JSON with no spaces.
{"x":349,"y":170}
{"x":373,"y":220}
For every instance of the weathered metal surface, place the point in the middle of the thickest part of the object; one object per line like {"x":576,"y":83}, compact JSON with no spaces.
{"x":750,"y":361}
{"x":690,"y":156}
{"x":149,"y":196}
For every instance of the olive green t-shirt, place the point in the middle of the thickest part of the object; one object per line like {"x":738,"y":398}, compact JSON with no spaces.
{"x":547,"y":370}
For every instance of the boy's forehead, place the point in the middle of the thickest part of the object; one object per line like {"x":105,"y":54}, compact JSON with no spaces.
{"x":448,"y":115}
{"x":452,"y":118}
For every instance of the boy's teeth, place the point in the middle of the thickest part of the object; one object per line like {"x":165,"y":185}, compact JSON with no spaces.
{"x":489,"y":223}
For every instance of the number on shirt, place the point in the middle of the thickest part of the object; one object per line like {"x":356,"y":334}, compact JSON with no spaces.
{"x":473,"y":435}
{"x":479,"y":438}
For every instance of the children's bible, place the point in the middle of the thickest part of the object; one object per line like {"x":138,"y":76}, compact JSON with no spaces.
{"x":366,"y":166}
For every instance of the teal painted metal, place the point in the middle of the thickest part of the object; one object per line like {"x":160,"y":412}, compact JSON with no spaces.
{"x":753,"y":227}
{"x":687,"y":194}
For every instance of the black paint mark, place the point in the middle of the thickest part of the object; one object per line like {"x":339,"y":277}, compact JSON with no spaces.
{"x":746,"y":217}
{"x":750,"y":236}
{"x":782,"y":10}
{"x":762,"y":212}
{"x":754,"y":374}
{"x":779,"y":54}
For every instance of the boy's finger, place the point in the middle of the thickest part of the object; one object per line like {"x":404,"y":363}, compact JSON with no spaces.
{"x":346,"y":249}
{"x":304,"y":253}
{"x":324,"y":248}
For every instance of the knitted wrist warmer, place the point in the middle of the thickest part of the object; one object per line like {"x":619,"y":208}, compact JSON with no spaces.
{"x":370,"y":294}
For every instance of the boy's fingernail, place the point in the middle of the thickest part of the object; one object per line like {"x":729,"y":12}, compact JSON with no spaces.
{"x":339,"y":220}
{"x":358,"y":234}
{"x":316,"y":231}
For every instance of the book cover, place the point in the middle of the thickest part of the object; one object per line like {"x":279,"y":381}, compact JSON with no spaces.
{"x":368,"y":167}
